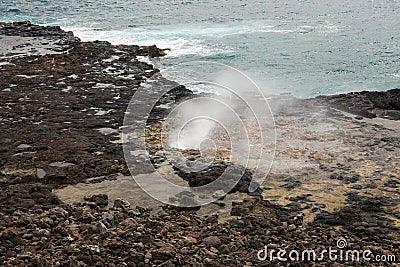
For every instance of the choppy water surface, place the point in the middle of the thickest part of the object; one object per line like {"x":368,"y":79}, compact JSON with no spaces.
{"x":307,"y":48}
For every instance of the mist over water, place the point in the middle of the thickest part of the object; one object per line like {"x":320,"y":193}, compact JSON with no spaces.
{"x":306,"y":48}
{"x":235,"y":123}
{"x":195,"y":123}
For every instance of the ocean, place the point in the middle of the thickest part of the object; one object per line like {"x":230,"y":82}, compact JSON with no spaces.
{"x":306,"y":48}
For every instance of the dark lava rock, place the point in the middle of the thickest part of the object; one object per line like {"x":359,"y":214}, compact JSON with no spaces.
{"x":347,"y":179}
{"x":100,"y":199}
{"x":291,"y":182}
{"x":121,"y":204}
{"x":364,"y":216}
{"x":64,"y":40}
{"x":367,"y":104}
{"x":151,"y":51}
{"x":24,"y":197}
{"x":54,"y":111}
{"x":27,"y":29}
{"x":212,"y":241}
{"x":215,"y":171}
{"x":73,"y":95}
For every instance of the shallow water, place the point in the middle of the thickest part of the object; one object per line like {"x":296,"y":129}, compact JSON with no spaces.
{"x":125,"y":187}
{"x":307,"y":47}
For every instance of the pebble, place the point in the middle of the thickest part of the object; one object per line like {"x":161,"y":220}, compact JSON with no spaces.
{"x":102,"y":228}
{"x":212,"y":241}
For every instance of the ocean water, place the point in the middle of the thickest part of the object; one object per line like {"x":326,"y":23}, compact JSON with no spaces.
{"x":303,"y":47}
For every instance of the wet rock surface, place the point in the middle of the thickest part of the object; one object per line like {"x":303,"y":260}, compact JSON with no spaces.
{"x":367,"y":104}
{"x":57,"y":105}
{"x":60,"y":117}
{"x":234,"y":174}
{"x":21,"y":38}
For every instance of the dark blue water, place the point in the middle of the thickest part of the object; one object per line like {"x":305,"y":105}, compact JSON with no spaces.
{"x":307,"y":48}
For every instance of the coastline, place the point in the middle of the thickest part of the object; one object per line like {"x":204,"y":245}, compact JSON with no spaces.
{"x":60,"y":118}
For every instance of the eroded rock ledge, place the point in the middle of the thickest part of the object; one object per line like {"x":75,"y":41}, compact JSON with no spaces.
{"x":367,"y":104}
{"x":62,"y":103}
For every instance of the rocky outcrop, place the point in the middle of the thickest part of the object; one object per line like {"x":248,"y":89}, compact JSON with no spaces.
{"x":60,"y":113}
{"x":367,"y":104}
{"x":216,"y":170}
{"x":51,"y":37}
{"x":27,"y":29}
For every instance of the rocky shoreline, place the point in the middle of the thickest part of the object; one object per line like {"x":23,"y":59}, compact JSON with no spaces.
{"x":62,"y":104}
